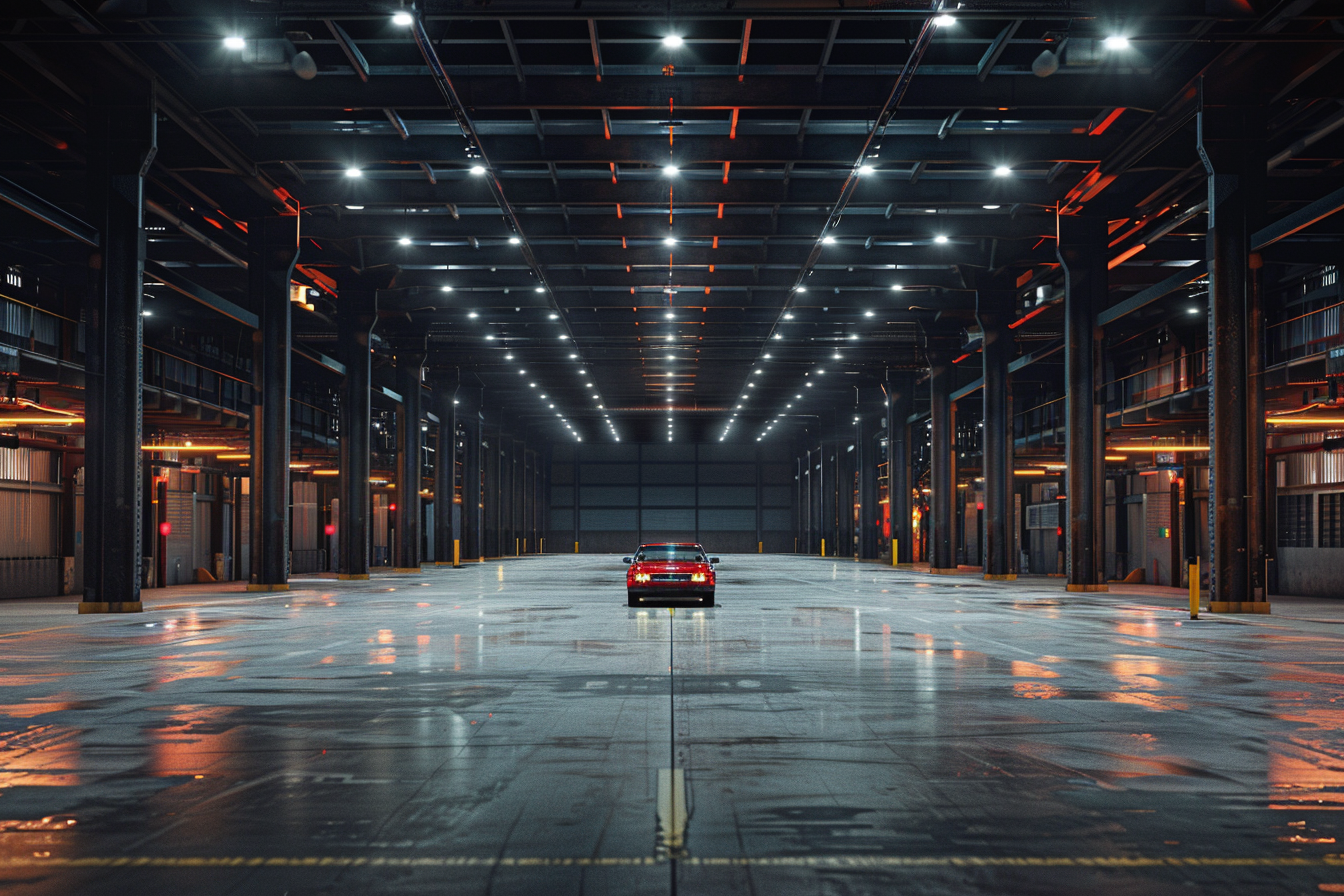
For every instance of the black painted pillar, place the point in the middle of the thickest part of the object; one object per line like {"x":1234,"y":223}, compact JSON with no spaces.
{"x":446,"y":534}
{"x":942,"y":463}
{"x":357,"y":305}
{"x":867,"y":430}
{"x":123,"y":141}
{"x":994,"y":311}
{"x":901,"y":389}
{"x":1231,"y":144}
{"x":1082,"y":252}
{"x":410,"y":351}
{"x":470,"y":417}
{"x":273,"y":246}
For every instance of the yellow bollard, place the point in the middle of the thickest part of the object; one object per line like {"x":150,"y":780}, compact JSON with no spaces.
{"x":576,"y":547}
{"x":541,"y":545}
{"x":760,"y":547}
{"x":515,"y":547}
{"x":895,"y":550}
{"x":1194,"y":589}
{"x":823,"y":547}
{"x":457,"y":552}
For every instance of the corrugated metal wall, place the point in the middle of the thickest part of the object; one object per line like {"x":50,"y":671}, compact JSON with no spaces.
{"x":30,"y":516}
{"x":1311,"y":468}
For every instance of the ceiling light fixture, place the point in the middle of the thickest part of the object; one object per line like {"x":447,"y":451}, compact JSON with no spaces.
{"x":234,"y":42}
{"x":944,"y":20}
{"x":403,"y":19}
{"x":1002,"y":171}
{"x":1116,"y":42}
{"x":353,"y":172}
{"x":478,"y":170}
{"x":673,"y":41}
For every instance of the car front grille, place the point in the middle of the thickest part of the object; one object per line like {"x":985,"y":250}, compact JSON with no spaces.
{"x":671,"y":577}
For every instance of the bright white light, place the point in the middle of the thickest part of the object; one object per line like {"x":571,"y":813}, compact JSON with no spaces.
{"x":489,"y":338}
{"x":670,"y":241}
{"x":1003,"y":171}
{"x":508,"y":357}
{"x":896,"y":287}
{"x":513,"y":241}
{"x":673,"y":41}
{"x":404,"y":241}
{"x":353,"y":172}
{"x":234,"y":42}
{"x":671,"y":170}
{"x":1192,"y":310}
{"x":445,"y":289}
{"x":944,"y":20}
{"x":940,"y":238}
{"x":402,"y":18}
{"x":670,"y":316}
{"x":1116,"y":42}
{"x":852,"y":336}
{"x":355,"y":208}
{"x":777,"y":336}
{"x":552,"y":316}
{"x":990,"y":208}
{"x":478,"y":170}
{"x":146,"y":313}
{"x":828,"y":239}
{"x":802,"y":289}
{"x":866,"y":169}
{"x":472,"y":314}
{"x":539,"y":289}
{"x":788,"y":315}
{"x":867,"y":314}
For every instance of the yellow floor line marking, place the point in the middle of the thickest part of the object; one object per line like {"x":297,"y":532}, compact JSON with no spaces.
{"x":671,"y":810}
{"x":849,"y":862}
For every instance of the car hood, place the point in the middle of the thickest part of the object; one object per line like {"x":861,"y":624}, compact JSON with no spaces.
{"x":669,"y":566}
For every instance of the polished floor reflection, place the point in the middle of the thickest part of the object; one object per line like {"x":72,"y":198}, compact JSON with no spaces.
{"x":830,"y":727}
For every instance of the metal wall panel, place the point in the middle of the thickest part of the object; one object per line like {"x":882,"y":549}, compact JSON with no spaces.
{"x":728,"y":496}
{"x":609,"y":520}
{"x":28,"y":523}
{"x":28,"y":465}
{"x":599,"y":495}
{"x":678,"y":519}
{"x":178,"y":546}
{"x":303,"y":517}
{"x":667,"y":474}
{"x":668,"y":496}
{"x":727,"y":474}
{"x":728,"y":520}
{"x":1312,"y":468}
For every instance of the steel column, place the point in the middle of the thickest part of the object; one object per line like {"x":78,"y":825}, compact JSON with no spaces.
{"x":1082,"y":252}
{"x":901,"y":390}
{"x":942,"y":475}
{"x":273,"y":247}
{"x":1231,"y":145}
{"x":865,"y":456}
{"x":445,"y":467}
{"x":357,"y":311}
{"x":410,"y":353}
{"x":123,"y":142}
{"x":471,"y":479}
{"x":993,"y":311}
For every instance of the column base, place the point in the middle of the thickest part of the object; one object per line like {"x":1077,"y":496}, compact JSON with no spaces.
{"x":940,"y":571}
{"x":405,"y":569}
{"x":443,"y":563}
{"x":1239,"y":606}
{"x":113,"y":606}
{"x":1087,"y":588}
{"x":352,"y":576}
{"x":1010,"y":577}
{"x":267,"y":587}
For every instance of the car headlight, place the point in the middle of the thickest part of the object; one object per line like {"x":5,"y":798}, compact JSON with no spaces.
{"x":641,"y":577}
{"x":697,"y":577}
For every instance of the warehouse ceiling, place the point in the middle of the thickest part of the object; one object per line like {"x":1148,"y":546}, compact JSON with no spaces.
{"x":695,"y":220}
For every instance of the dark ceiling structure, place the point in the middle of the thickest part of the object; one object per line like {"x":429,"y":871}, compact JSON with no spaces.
{"x":704,"y":220}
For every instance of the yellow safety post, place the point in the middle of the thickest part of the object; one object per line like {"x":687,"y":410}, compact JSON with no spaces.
{"x":576,"y":547}
{"x":541,"y":545}
{"x":1194,"y":589}
{"x":760,"y":547}
{"x":823,"y":547}
{"x":895,"y":550}
{"x":515,"y":547}
{"x":457,"y":552}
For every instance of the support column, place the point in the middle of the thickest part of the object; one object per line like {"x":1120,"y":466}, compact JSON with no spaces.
{"x":447,"y":534}
{"x":471,"y":478}
{"x":1231,"y":145}
{"x":123,"y":141}
{"x":357,"y":305}
{"x":942,"y":475}
{"x":273,"y":245}
{"x":993,"y":311}
{"x":865,"y":456}
{"x":902,"y":398}
{"x":410,"y":351}
{"x":1082,"y":252}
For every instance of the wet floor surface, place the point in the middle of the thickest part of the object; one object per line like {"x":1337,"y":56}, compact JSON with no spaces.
{"x":830,"y":727}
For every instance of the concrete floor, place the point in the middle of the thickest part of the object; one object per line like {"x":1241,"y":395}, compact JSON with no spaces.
{"x":839,"y":727}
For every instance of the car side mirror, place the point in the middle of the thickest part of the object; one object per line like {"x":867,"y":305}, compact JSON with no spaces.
{"x":626,"y":559}
{"x":713,"y":559}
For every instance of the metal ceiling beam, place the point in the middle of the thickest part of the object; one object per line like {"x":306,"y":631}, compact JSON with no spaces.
{"x":47,"y":212}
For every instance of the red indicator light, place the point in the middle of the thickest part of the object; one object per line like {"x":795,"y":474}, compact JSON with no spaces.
{"x":329,"y":529}
{"x":165,"y":528}
{"x":1059,"y":530}
{"x":392,"y":507}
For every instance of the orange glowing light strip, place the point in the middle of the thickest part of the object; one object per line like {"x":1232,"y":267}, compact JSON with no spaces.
{"x":1306,"y":421}
{"x":1125,"y":256}
{"x":209,"y":449}
{"x":326,"y":472}
{"x":1116,"y":457}
{"x":233,"y":456}
{"x":1028,"y":316}
{"x":1169,"y":449}
{"x":1028,"y":472}
{"x":39,"y":421}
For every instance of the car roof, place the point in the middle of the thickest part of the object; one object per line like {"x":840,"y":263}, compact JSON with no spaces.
{"x":671,"y":544}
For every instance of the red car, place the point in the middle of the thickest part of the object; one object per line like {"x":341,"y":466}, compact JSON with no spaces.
{"x":671,"y":571}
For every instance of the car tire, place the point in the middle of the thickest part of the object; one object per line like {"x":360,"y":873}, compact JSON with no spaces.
{"x":707,"y":600}
{"x":631,"y":600}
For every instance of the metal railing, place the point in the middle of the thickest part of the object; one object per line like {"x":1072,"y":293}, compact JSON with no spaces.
{"x":1180,"y":374}
{"x":1302,"y":336}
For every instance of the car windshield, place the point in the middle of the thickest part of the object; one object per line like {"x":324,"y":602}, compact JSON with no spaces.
{"x":670,"y":553}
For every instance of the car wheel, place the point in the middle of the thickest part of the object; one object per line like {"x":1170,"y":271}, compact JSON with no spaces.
{"x":707,"y":599}
{"x":631,"y":600}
